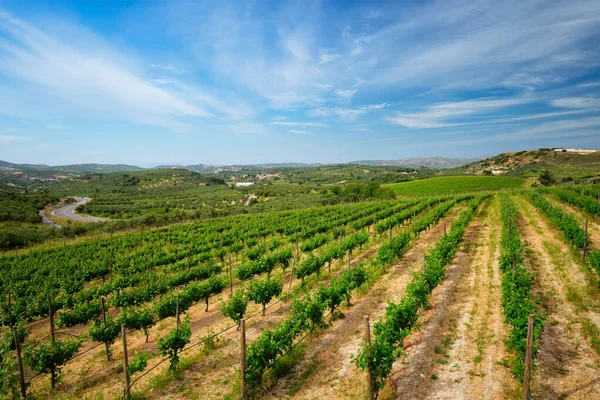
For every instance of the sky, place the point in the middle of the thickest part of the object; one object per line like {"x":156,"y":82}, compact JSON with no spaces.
{"x":217,"y":82}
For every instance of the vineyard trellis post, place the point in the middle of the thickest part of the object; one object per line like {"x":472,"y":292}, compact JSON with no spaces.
{"x":445,"y":234}
{"x":20,"y":360}
{"x":125,"y":361}
{"x":106,"y":346}
{"x":369,"y":378}
{"x":230,"y":277}
{"x":51,"y":317}
{"x":349,"y":258}
{"x":527,"y":375}
{"x":243,"y":358}
{"x":177,"y":314}
{"x":585,"y":236}
{"x":514,"y":263}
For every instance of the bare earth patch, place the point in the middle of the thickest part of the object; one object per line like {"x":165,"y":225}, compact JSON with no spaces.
{"x":567,"y":365}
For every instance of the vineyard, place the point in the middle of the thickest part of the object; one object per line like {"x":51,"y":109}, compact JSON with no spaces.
{"x":493,"y":294}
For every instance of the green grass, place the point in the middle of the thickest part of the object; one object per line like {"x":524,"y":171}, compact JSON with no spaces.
{"x":455,"y":184}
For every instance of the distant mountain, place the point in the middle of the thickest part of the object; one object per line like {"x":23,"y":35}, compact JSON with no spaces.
{"x":70,"y":169}
{"x":416,"y":162}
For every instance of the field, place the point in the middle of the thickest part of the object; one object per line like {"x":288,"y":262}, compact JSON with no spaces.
{"x":455,"y":184}
{"x":446,"y":281}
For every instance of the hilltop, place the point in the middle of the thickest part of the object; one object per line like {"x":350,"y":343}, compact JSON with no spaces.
{"x":563,"y":163}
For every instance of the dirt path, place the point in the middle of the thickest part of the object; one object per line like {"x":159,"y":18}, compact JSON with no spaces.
{"x":567,"y":362}
{"x":468,"y":352}
{"x":327,"y":363}
{"x":442,"y":360}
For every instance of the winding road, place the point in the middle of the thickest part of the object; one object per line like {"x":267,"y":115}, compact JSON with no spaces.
{"x":68,"y":211}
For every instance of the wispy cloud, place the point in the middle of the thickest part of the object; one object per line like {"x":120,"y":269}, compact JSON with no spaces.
{"x":347,"y":114}
{"x":168,"y":67}
{"x":55,"y":127}
{"x":439,"y":115}
{"x":346,"y":94}
{"x":83,"y":73}
{"x":10,"y":139}
{"x":300,"y":132}
{"x":577,"y":102}
{"x":290,"y":123}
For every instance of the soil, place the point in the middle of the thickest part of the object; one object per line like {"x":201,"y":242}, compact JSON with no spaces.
{"x":567,"y":365}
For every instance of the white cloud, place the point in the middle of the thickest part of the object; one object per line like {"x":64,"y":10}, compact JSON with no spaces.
{"x":344,"y":113}
{"x":589,"y":84}
{"x":576,"y":102}
{"x":5,"y":140}
{"x":300,"y":132}
{"x":346,"y":94}
{"x":481,"y":44}
{"x":168,"y":67}
{"x":357,"y":49}
{"x":373,"y":14}
{"x":80,"y":74}
{"x":438,"y":115}
{"x":326,"y":58}
{"x":290,"y":123}
{"x":55,"y":127}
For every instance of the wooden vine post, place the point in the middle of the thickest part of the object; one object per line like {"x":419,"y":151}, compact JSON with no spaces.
{"x":585,"y":236}
{"x":52,"y":333}
{"x":125,"y":361}
{"x":20,"y":360}
{"x":527,"y":375}
{"x":243,"y":358}
{"x":514,"y":263}
{"x":104,"y":319}
{"x":369,"y":379}
{"x":111,"y":256}
{"x":445,"y":234}
{"x":349,"y":258}
{"x":230,"y":277}
{"x":293,"y":265}
{"x":51,"y":317}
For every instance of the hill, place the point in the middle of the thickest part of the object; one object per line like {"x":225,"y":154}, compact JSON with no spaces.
{"x":563,"y":163}
{"x":416,"y":162}
{"x":71,"y":169}
{"x":455,"y":184}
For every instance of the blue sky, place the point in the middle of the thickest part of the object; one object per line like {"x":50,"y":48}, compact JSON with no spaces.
{"x":251,"y":82}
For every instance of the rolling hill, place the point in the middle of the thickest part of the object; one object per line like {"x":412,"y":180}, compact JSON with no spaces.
{"x":563,"y":163}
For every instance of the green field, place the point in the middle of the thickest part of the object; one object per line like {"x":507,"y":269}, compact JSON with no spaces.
{"x":455,"y":184}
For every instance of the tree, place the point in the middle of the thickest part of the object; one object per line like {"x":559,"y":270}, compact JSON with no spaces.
{"x":546,"y":178}
{"x":262,"y":291}
{"x":236,"y":307}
